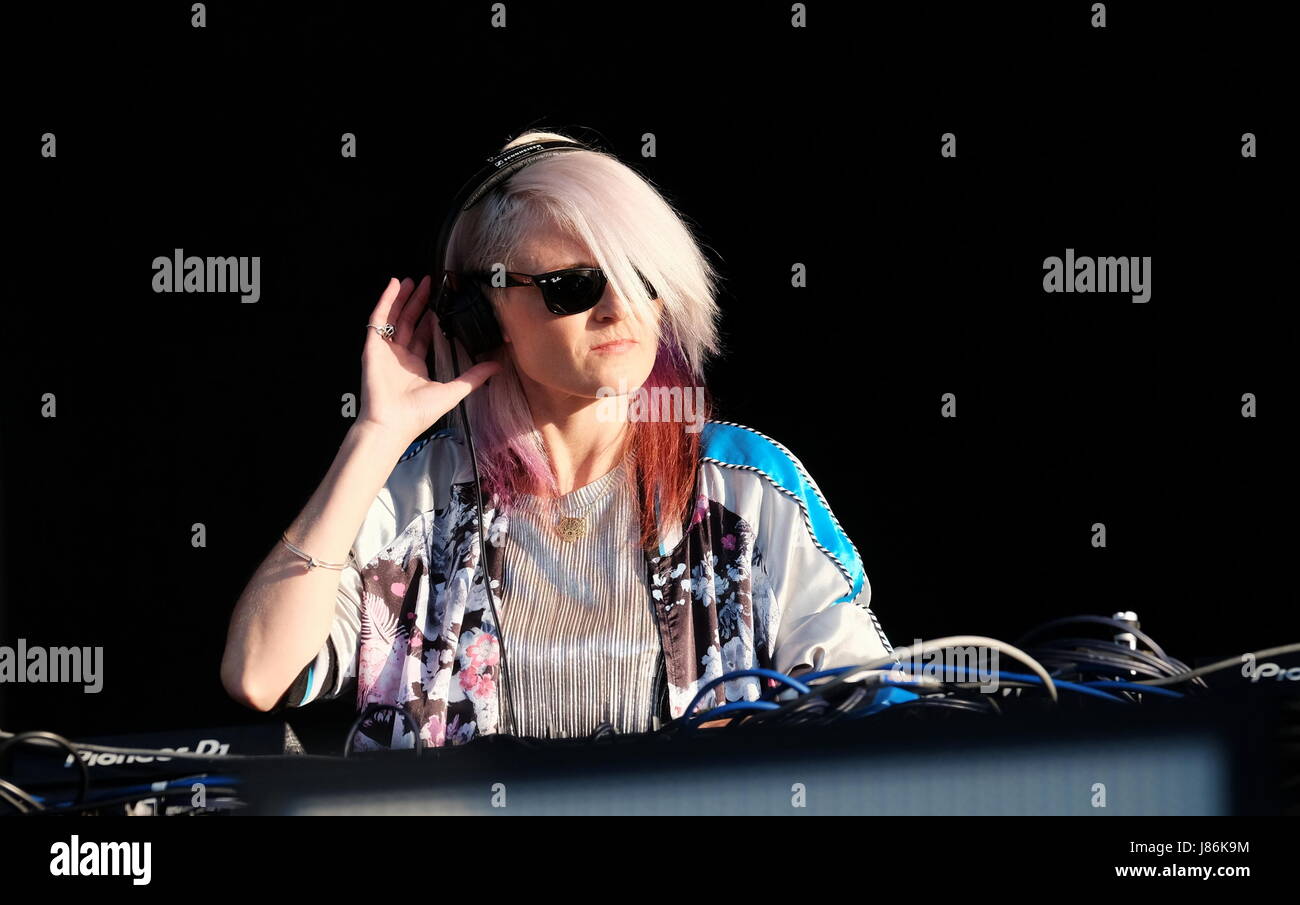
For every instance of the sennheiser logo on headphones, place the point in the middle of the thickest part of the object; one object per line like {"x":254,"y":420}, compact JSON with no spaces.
{"x":194,"y":274}
{"x":1084,"y":274}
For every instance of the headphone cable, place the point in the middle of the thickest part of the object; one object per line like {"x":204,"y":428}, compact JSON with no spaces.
{"x":487,"y":579}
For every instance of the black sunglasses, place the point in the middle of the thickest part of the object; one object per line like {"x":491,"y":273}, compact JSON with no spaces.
{"x":569,"y":291}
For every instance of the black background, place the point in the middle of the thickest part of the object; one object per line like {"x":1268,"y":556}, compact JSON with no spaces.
{"x":817,"y":145}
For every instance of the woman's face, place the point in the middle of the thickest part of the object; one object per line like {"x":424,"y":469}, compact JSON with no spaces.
{"x":562,"y":353}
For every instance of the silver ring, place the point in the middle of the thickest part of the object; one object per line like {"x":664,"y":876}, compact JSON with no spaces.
{"x":386,"y":331}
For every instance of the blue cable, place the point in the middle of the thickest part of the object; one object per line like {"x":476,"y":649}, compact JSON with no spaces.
{"x":885,"y":697}
{"x":1022,"y":677}
{"x":1135,"y":686}
{"x":1030,"y":677}
{"x":758,"y":672}
{"x":1017,"y":676}
{"x":1091,"y":689}
{"x":706,"y":715}
{"x":809,"y":676}
{"x":1067,"y":686}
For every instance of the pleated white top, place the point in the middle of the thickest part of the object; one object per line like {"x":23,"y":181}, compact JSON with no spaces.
{"x":580,"y":638}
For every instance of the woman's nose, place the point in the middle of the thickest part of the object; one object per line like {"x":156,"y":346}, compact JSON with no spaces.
{"x":611,"y":305}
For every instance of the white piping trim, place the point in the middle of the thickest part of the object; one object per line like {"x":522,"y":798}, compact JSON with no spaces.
{"x":802,"y":473}
{"x":812,"y":536}
{"x":829,"y":511}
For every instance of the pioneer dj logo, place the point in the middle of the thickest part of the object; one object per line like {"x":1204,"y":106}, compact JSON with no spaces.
{"x":1253,"y":671}
{"x":210,"y":747}
{"x":102,"y":859}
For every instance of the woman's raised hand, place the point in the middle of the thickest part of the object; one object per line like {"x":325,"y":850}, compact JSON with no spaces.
{"x":397,"y":395}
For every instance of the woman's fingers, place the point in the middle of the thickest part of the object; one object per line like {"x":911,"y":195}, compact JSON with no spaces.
{"x":379,"y":316}
{"x":471,"y":380}
{"x":424,"y":327}
{"x":399,"y":304}
{"x":406,"y":320}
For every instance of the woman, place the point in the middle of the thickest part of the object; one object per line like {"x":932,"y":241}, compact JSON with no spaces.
{"x":635,"y":551}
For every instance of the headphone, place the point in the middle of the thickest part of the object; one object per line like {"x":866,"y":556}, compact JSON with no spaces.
{"x":464,"y":312}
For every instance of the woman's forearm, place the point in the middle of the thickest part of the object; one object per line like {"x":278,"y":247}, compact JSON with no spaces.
{"x":284,"y":615}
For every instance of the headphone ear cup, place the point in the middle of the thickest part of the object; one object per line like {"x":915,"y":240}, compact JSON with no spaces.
{"x":466,"y":315}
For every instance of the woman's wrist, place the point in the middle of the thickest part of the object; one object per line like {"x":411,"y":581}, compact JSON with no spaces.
{"x":330,"y":520}
{"x":379,"y":439}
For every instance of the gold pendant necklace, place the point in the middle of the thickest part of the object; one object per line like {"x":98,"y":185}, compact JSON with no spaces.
{"x":573,"y":527}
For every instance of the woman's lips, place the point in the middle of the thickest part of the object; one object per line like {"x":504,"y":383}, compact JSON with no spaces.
{"x":618,"y":345}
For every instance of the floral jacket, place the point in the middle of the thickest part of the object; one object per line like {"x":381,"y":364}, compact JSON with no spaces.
{"x":761,"y":576}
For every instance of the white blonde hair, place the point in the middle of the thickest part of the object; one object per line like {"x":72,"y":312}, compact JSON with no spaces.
{"x":628,"y":226}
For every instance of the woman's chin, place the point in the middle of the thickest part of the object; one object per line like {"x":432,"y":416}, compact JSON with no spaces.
{"x":621,"y":379}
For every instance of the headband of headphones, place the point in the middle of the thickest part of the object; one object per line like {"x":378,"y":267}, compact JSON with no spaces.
{"x":499,"y":168}
{"x":464,"y":314}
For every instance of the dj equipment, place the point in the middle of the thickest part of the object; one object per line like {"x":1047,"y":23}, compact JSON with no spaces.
{"x":30,"y":764}
{"x":1141,"y":747}
{"x":1211,"y":756}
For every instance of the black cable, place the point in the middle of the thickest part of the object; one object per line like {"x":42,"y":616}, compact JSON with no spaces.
{"x":1111,"y":649}
{"x":1077,"y":662}
{"x":1114,"y":652}
{"x":811,"y":708}
{"x":1002,"y":683}
{"x":1221,"y":665}
{"x":817,"y":694}
{"x":42,"y":736}
{"x":482,"y":551}
{"x":1109,"y":659}
{"x":1099,"y":620}
{"x":803,"y":702}
{"x":814,"y":709}
{"x":18,"y":798}
{"x":941,"y":703}
{"x":370,"y":710}
{"x":851,"y":702}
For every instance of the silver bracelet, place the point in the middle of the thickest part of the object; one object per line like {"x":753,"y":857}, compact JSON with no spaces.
{"x":312,"y":562}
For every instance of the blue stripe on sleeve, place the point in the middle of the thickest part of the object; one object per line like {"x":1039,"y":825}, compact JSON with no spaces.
{"x":743,"y":447}
{"x":311,"y":676}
